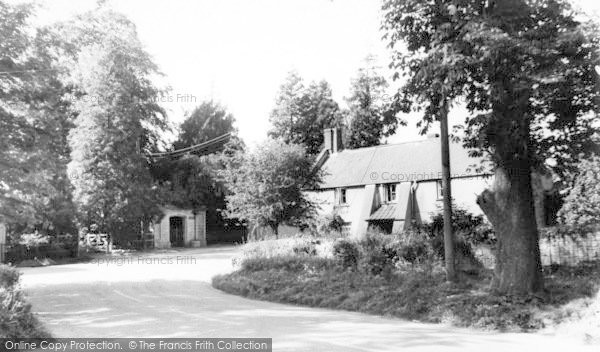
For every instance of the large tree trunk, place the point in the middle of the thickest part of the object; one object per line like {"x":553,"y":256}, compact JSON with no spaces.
{"x":509,"y":206}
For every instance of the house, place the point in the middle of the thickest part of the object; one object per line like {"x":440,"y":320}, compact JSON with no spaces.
{"x":179,"y":227}
{"x":391,"y":185}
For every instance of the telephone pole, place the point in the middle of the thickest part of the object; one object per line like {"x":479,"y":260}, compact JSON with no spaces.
{"x":447,"y":194}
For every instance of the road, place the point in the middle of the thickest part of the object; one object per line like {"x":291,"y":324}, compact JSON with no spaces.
{"x":169,"y":295}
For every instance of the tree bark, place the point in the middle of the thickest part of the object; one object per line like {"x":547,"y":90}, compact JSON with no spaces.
{"x":509,"y":206}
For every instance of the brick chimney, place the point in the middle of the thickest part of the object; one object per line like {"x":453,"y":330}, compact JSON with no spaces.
{"x":332,"y":138}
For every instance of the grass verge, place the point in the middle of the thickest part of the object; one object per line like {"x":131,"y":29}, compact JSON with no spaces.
{"x":421,"y":295}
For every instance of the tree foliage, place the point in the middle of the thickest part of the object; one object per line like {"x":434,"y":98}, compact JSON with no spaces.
{"x":266,"y":185}
{"x":581,"y":208}
{"x":525,"y":69}
{"x":301,"y":113}
{"x":369,"y":119}
{"x":34,"y":123}
{"x":117,"y":123}
{"x":189,"y":181}
{"x":192,"y":180}
{"x":207,"y":121}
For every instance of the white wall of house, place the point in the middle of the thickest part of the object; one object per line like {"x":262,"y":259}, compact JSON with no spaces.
{"x":326,"y":202}
{"x":464,"y":193}
{"x":162,"y":236}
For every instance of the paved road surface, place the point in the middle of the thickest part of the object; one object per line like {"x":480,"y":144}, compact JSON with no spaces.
{"x":169,"y":295}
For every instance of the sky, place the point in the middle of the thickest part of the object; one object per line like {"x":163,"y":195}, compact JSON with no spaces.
{"x":238,"y":52}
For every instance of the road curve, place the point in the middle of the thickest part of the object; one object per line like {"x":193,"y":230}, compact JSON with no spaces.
{"x":169,"y":295}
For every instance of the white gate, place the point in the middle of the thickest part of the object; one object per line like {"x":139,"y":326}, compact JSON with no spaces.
{"x":3,"y":247}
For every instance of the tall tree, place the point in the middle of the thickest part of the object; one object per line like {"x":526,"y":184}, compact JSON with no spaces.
{"x":265,"y":186}
{"x":207,"y":121}
{"x":524,"y":67}
{"x":34,"y":123}
{"x":369,"y":120}
{"x":17,"y":133}
{"x":301,"y":113}
{"x":117,"y":124}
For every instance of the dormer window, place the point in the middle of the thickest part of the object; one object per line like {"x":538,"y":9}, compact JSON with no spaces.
{"x":389,"y":192}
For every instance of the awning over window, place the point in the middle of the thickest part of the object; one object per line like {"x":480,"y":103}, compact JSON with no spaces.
{"x":406,"y":209}
{"x":388,"y":212}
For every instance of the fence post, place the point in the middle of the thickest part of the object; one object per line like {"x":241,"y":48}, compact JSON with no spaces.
{"x":3,"y":247}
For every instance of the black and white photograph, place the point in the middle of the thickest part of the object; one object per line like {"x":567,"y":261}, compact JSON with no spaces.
{"x":299,"y":175}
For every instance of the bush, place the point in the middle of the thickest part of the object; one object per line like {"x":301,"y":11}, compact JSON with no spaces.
{"x":16,"y":319}
{"x":472,"y":228}
{"x":581,"y":209}
{"x":413,"y":247}
{"x":335,"y":223}
{"x":9,"y":277}
{"x":288,"y":263}
{"x":299,"y":246}
{"x":346,"y":254}
{"x":374,"y":257}
{"x":328,"y":226}
{"x":377,"y":263}
{"x":461,"y":247}
{"x":306,"y":247}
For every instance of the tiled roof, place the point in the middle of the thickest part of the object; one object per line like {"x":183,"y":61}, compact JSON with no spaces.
{"x":395,"y":163}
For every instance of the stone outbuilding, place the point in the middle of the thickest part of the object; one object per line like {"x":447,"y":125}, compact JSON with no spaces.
{"x":180,"y":227}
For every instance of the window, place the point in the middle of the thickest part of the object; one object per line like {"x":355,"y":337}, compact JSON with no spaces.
{"x":389,"y":193}
{"x":340,"y":195}
{"x":440,"y":190}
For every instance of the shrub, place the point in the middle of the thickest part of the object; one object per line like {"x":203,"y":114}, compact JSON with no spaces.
{"x":270,"y":248}
{"x":288,"y":263}
{"x":461,"y":247}
{"x":377,"y":262}
{"x":412,"y":246}
{"x":581,"y":208}
{"x":306,"y":247}
{"x":374,"y":240}
{"x":346,"y":254}
{"x":375,"y":258}
{"x":335,"y":223}
{"x":328,"y":226}
{"x":9,"y":276}
{"x":472,"y":228}
{"x":299,"y":246}
{"x":16,"y":319}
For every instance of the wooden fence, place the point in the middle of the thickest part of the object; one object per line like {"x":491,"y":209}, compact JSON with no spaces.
{"x":559,"y":250}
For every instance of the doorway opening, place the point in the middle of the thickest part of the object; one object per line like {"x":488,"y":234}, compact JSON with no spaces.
{"x":176,"y":228}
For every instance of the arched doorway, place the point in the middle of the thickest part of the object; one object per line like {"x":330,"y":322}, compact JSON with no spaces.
{"x":176,"y":231}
